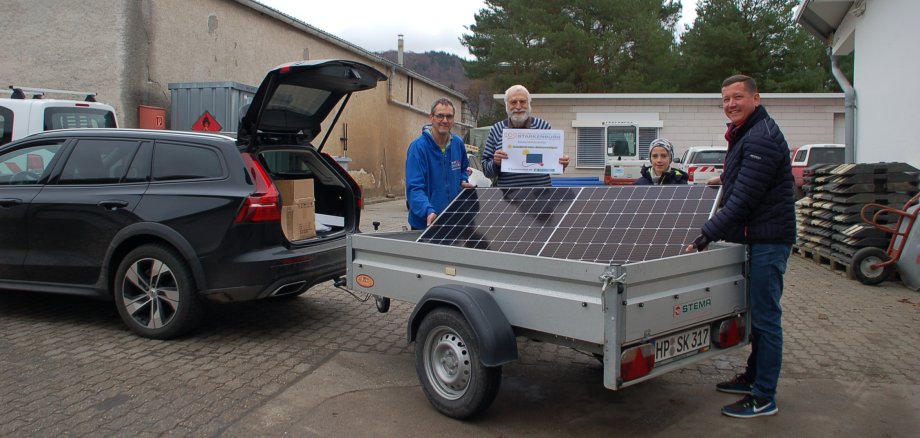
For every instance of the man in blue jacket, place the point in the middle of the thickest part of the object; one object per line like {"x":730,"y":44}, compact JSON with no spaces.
{"x":436,"y":167}
{"x":756,"y":209}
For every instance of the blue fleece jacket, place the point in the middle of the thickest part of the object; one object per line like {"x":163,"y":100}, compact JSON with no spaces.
{"x":433,"y":177}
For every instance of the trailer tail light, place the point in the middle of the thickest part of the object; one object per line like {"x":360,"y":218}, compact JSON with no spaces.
{"x":690,"y":171}
{"x":262,"y":205}
{"x":731,"y":332}
{"x":636,"y":362}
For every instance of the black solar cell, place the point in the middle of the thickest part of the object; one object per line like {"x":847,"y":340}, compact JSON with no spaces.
{"x":610,"y":224}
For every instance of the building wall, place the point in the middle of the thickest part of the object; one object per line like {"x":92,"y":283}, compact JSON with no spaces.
{"x":885,"y":76}
{"x":690,"y":120}
{"x":66,"y":46}
{"x":128,"y":51}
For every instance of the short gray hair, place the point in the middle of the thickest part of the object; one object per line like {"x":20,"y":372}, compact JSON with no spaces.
{"x":517,"y":89}
{"x":442,"y":101}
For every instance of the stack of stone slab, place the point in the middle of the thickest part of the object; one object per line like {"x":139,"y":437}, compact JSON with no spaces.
{"x":830,"y":229}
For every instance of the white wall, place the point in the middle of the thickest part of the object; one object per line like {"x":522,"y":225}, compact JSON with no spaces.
{"x":885,"y":78}
{"x":690,"y":119}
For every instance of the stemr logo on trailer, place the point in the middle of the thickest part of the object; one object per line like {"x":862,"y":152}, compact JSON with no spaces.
{"x":693,"y":309}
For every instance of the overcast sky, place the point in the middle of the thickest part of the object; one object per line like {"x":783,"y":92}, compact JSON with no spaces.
{"x":375,"y":24}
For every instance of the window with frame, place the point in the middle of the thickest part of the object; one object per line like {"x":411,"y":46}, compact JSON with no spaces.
{"x":593,"y":143}
{"x":27,"y":165}
{"x":98,"y":161}
{"x":78,"y":117}
{"x":173,"y":161}
{"x":6,"y":125}
{"x":589,"y":148}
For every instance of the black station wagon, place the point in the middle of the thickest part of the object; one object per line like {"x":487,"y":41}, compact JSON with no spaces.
{"x":160,"y":220}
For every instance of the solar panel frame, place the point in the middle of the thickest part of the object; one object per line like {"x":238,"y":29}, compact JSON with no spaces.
{"x":608,"y":224}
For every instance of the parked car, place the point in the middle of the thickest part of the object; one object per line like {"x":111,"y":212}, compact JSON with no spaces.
{"x":20,"y":117}
{"x":810,"y":155}
{"x":702,"y":163}
{"x":160,"y":220}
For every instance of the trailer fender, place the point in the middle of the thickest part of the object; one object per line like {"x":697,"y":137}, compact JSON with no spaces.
{"x":497,"y":343}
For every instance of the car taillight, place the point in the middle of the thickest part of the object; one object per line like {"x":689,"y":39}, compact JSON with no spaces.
{"x":731,"y":332}
{"x":690,"y":171}
{"x":262,"y":205}
{"x":636,"y":362}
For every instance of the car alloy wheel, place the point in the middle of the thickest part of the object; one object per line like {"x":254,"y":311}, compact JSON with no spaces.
{"x":154,"y":293}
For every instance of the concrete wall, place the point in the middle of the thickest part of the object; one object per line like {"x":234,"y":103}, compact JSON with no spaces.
{"x":66,"y":45}
{"x":128,"y":51}
{"x":689,"y":120}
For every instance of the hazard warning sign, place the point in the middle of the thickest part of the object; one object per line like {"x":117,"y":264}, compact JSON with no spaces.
{"x":206,"y":123}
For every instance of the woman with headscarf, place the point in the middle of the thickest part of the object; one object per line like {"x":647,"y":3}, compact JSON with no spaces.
{"x":659,"y":171}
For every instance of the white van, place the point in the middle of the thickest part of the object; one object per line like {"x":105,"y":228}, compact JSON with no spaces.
{"x":702,"y":163}
{"x":20,"y":117}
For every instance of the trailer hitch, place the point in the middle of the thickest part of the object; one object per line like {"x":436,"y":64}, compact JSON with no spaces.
{"x":340,"y":282}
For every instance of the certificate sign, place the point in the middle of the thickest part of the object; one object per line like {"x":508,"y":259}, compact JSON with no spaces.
{"x":532,"y":150}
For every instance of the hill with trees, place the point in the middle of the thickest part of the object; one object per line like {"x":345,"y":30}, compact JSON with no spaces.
{"x":615,"y":46}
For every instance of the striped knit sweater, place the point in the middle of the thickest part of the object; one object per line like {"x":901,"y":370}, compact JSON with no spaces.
{"x":508,"y":179}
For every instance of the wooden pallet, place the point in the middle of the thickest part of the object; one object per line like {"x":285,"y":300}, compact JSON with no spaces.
{"x":824,"y":257}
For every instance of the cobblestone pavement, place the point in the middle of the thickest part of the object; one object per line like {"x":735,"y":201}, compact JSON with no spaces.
{"x":69,"y":367}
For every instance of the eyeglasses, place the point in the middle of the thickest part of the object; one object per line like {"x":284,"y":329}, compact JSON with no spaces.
{"x":447,"y":117}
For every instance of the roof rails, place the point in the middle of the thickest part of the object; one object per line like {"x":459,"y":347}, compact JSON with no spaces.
{"x":38,"y":93}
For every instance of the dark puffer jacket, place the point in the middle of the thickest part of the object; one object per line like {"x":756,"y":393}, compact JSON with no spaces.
{"x":757,"y":203}
{"x":672,"y":176}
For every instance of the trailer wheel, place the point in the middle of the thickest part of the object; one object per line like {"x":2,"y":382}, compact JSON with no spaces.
{"x":862,"y":266}
{"x":448,"y":365}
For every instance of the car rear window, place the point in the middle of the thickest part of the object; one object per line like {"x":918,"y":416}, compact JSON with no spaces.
{"x":78,"y":117}
{"x":6,"y":125}
{"x":826,"y":155}
{"x":286,"y":165}
{"x":182,"y":162}
{"x":709,"y":157}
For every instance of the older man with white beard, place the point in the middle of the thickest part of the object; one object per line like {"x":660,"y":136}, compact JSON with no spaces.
{"x":517,"y":105}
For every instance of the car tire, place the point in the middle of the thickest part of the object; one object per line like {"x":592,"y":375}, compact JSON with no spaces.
{"x":862,"y":266}
{"x":155,"y":293}
{"x":447,"y":360}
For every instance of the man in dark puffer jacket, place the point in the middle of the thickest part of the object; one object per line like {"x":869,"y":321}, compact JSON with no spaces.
{"x":756,"y":209}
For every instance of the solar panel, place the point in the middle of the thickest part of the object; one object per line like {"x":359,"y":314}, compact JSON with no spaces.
{"x":608,"y":224}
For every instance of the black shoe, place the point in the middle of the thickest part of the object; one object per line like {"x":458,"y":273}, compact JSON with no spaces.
{"x":738,"y":385}
{"x":751,"y":406}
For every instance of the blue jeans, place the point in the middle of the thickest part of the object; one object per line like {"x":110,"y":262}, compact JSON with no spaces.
{"x":768,"y":264}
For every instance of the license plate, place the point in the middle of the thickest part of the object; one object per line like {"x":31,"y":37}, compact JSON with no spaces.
{"x":681,"y":343}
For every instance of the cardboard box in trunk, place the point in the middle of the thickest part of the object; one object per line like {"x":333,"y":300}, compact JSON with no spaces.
{"x":294,"y":189}
{"x":298,"y":221}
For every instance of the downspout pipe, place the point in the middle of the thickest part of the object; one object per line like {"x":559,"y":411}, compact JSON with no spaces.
{"x":849,"y":103}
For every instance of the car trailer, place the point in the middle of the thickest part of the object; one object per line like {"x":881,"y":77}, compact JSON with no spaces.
{"x":598,"y":269}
